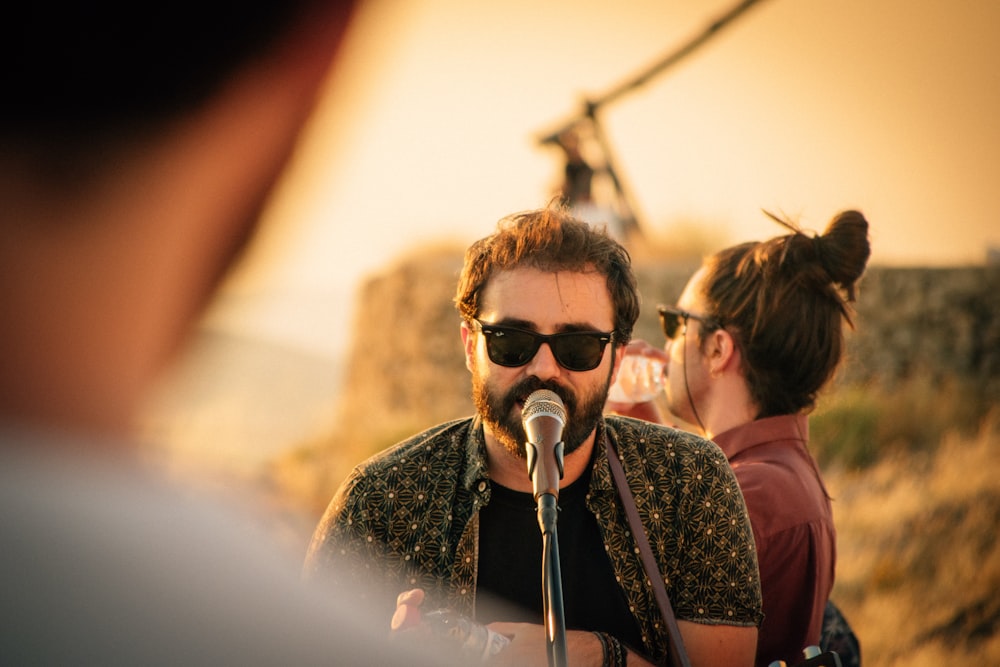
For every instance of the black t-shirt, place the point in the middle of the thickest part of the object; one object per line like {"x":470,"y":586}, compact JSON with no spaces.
{"x":510,"y":565}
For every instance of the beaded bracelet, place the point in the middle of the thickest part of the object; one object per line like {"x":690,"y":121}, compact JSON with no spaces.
{"x":613,"y":652}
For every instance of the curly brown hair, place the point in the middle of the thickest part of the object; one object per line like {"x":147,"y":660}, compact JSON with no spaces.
{"x":550,"y":239}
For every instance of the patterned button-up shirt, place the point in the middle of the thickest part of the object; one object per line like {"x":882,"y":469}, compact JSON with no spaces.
{"x":408,"y":518}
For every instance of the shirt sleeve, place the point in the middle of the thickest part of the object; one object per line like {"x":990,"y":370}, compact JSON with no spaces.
{"x":696,"y":519}
{"x":716,"y":559}
{"x":346,"y":551}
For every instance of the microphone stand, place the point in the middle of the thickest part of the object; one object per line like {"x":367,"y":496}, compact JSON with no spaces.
{"x":545,"y":477}
{"x":552,"y":597}
{"x":544,"y":417}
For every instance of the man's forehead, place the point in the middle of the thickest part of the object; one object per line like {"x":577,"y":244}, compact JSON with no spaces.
{"x":691,"y":295}
{"x":548,"y":298}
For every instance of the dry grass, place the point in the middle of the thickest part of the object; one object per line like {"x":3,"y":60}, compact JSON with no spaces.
{"x":918,"y":571}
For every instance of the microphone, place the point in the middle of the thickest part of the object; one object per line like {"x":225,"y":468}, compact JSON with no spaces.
{"x":544,"y":417}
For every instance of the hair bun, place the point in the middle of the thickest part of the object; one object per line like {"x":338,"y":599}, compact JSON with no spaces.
{"x":844,"y":249}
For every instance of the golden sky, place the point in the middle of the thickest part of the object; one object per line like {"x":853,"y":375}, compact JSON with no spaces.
{"x":803,"y":107}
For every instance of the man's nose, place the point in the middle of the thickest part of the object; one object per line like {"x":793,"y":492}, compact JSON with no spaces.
{"x":544,"y":365}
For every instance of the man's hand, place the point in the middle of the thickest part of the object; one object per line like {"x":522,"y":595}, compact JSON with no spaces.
{"x":646,"y":410}
{"x":529,"y":647}
{"x":407,"y":615}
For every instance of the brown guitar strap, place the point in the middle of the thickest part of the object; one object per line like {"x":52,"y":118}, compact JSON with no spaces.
{"x":678,"y":656}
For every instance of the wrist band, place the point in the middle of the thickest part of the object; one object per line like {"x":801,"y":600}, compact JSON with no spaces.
{"x":613,"y":652}
{"x":604,"y":649}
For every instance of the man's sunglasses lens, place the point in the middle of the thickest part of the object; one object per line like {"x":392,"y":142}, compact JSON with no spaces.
{"x":671,"y":323}
{"x":574,"y":351}
{"x":578,"y":352}
{"x":509,"y":347}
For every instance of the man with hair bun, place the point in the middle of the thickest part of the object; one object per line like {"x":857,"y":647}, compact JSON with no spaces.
{"x":754,"y":337}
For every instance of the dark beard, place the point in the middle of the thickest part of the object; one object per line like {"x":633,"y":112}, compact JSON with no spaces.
{"x":499,"y":413}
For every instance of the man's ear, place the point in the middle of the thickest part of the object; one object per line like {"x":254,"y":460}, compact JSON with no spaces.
{"x":468,"y":344}
{"x":721,"y":351}
{"x":619,"y":354}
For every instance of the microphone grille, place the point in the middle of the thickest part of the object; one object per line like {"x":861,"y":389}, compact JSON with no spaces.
{"x":544,"y":401}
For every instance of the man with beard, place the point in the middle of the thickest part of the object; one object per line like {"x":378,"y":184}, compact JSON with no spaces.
{"x":447,"y":518}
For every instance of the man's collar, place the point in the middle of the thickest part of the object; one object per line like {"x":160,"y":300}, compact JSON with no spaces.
{"x":476,"y":469}
{"x":769,"y":429}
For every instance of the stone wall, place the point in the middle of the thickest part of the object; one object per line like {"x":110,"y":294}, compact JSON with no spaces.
{"x":407,"y":369}
{"x":942,"y":322}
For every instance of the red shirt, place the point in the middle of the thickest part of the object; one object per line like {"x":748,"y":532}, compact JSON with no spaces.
{"x":792,"y":525}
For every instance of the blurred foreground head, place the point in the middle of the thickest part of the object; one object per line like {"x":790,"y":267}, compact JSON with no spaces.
{"x":138,"y":145}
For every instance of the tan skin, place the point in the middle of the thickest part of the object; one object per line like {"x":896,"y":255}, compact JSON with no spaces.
{"x":549,"y":302}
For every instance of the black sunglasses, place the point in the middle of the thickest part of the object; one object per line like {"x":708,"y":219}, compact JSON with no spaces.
{"x":671,"y":320}
{"x":573,"y":350}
